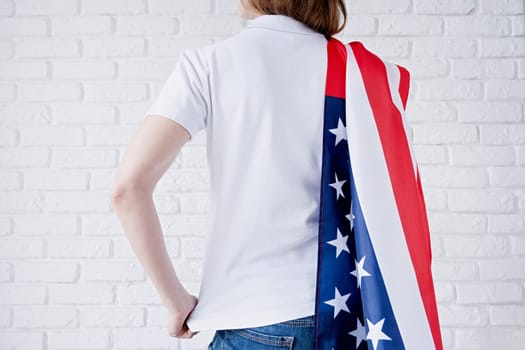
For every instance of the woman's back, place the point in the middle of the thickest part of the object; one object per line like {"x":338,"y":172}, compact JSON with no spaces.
{"x":260,"y":97}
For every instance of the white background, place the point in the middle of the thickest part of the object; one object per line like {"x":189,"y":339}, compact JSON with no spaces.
{"x":76,"y":76}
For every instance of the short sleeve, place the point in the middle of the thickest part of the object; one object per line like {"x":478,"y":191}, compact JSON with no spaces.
{"x":184,"y":97}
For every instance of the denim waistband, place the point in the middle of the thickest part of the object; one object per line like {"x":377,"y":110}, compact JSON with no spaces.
{"x":307,"y":321}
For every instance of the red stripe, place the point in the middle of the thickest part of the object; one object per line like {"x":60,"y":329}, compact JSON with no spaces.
{"x":335,"y":81}
{"x":405,"y":186}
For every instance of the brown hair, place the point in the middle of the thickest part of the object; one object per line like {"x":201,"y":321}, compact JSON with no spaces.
{"x":320,"y":15}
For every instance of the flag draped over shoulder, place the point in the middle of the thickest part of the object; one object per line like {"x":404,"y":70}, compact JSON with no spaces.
{"x":374,"y":280}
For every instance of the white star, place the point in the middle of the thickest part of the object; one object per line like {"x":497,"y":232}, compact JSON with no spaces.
{"x":339,"y":302}
{"x":359,"y":333}
{"x":338,"y":186}
{"x":360,"y":271}
{"x":375,"y":333}
{"x":339,"y":243}
{"x":339,"y":132}
{"x":350,"y":216}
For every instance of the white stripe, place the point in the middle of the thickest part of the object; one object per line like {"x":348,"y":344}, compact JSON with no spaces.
{"x":381,"y":215}
{"x":394,"y":77}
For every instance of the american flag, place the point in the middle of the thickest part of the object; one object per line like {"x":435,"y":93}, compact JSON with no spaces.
{"x":374,"y":281}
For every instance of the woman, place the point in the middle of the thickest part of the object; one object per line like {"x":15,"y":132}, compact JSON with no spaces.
{"x":260,"y":95}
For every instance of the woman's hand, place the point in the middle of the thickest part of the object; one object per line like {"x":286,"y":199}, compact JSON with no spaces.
{"x":177,"y":326}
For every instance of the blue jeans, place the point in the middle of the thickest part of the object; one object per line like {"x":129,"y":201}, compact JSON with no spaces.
{"x":297,"y":334}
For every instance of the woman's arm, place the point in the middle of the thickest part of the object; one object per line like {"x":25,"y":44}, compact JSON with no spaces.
{"x":148,"y":155}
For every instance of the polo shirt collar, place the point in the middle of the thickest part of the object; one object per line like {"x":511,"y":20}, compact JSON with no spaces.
{"x":280,"y":22}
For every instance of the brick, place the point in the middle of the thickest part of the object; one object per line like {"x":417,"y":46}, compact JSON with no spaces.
{"x":502,"y":134}
{"x":502,"y":47}
{"x":81,"y":293}
{"x":113,"y":317}
{"x":488,"y":292}
{"x":448,"y":270}
{"x":502,"y":7}
{"x":22,"y":294}
{"x":109,"y":135}
{"x":482,"y":155}
{"x":115,"y":92}
{"x":113,"y":47}
{"x":58,"y":91}
{"x":6,"y":275}
{"x":506,"y":223}
{"x":505,"y":89}
{"x":360,"y":25}
{"x":77,"y":339}
{"x":47,"y":47}
{"x":25,"y":114}
{"x":445,"y":7}
{"x":192,"y":247}
{"x":502,"y":269}
{"x":146,"y":25}
{"x":17,"y":27}
{"x":7,"y":49}
{"x":115,"y":271}
{"x":507,"y":315}
{"x":379,"y":7}
{"x":14,"y":70}
{"x":507,"y":176}
{"x":75,"y":113}
{"x":448,"y":177}
{"x":24,"y":157}
{"x":410,"y":25}
{"x":52,"y":136}
{"x":21,"y":248}
{"x":184,"y":181}
{"x":489,"y":112}
{"x":39,"y":271}
{"x":10,"y":180}
{"x":22,"y":340}
{"x":455,"y":47}
{"x":52,"y":179}
{"x":80,"y":25}
{"x":457,"y":223}
{"x":7,"y":92}
{"x":446,"y":89}
{"x":7,"y":8}
{"x":483,"y":69}
{"x":45,"y":317}
{"x":85,"y":157}
{"x":84,"y":70}
{"x":79,"y":248}
{"x":113,"y":7}
{"x":49,"y":7}
{"x":8,"y":137}
{"x":430,"y":154}
{"x":475,"y":246}
{"x":445,"y":133}
{"x":481,"y":201}
{"x":183,"y":6}
{"x":21,"y":202}
{"x":75,"y":202}
{"x":45,"y":225}
{"x":458,"y":315}
{"x":478,"y":26}
{"x":195,"y":157}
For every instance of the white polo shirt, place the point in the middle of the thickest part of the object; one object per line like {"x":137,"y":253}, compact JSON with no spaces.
{"x":260,"y":97}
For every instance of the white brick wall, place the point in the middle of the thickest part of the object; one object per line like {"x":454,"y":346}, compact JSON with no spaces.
{"x":77,"y":75}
